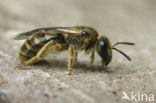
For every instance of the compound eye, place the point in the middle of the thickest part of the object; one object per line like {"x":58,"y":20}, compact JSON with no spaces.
{"x":84,"y":33}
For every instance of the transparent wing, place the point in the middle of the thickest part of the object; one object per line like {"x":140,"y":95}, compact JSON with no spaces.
{"x":65,"y":30}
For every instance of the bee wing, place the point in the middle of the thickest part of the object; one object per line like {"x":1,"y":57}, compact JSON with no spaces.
{"x":65,"y":30}
{"x":22,"y":36}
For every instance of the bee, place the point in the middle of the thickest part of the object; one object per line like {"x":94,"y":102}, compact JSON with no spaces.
{"x":41,"y":42}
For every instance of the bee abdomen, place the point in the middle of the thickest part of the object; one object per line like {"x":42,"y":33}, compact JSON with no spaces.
{"x":31,"y":47}
{"x":27,"y":50}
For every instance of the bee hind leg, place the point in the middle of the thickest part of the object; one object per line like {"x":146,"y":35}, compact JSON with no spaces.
{"x":45,"y":50}
{"x":28,"y":62}
{"x":19,"y":66}
{"x":23,"y":59}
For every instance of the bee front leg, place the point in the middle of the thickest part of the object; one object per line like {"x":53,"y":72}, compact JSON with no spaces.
{"x":102,"y":63}
{"x":91,"y":59}
{"x":70,"y":59}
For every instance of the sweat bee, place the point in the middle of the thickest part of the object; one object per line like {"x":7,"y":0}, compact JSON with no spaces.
{"x":40,"y":42}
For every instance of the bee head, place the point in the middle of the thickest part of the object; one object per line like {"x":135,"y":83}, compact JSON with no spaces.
{"x":103,"y":48}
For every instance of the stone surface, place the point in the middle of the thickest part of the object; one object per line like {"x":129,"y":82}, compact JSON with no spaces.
{"x":120,"y":20}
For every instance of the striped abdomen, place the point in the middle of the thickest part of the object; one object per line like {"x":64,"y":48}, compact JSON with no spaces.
{"x":33,"y":44}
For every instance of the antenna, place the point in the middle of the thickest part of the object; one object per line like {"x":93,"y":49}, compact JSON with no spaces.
{"x":126,"y":43}
{"x":125,"y":55}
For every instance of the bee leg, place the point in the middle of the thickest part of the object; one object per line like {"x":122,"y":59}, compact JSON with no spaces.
{"x":45,"y":50}
{"x":102,"y":63}
{"x":29,"y":62}
{"x":19,"y":66}
{"x":91,"y":59}
{"x":75,"y":56}
{"x":70,"y":59}
{"x":23,"y":59}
